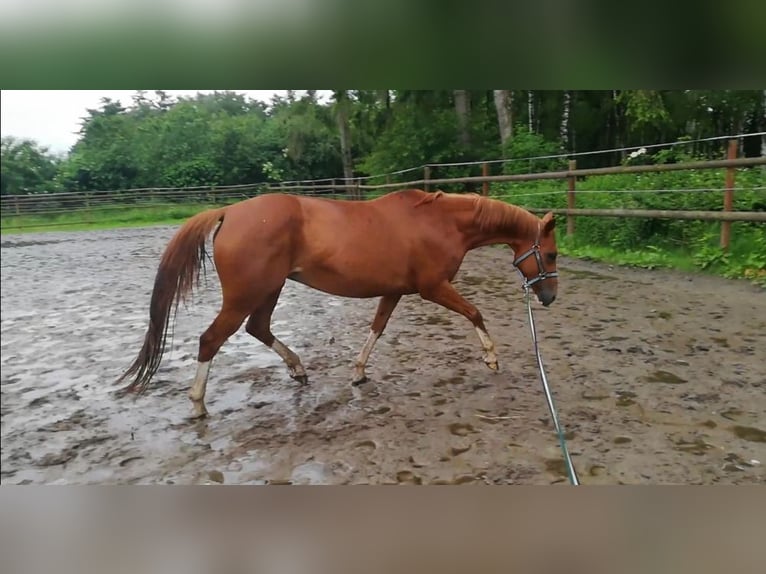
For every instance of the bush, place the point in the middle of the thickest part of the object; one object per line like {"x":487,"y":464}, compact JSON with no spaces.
{"x":698,"y":241}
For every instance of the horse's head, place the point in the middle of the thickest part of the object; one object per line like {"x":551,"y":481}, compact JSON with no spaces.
{"x":536,"y":260}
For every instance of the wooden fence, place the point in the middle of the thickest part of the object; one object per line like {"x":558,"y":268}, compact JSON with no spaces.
{"x":725,"y":216}
{"x":19,"y":211}
{"x":58,"y":203}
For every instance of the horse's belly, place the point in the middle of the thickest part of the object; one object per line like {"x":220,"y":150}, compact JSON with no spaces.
{"x":348,"y":282}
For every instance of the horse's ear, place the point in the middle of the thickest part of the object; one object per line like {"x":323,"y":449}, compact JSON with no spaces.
{"x":549,"y":223}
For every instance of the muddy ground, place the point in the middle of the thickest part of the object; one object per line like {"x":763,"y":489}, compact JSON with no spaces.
{"x":659,"y":377}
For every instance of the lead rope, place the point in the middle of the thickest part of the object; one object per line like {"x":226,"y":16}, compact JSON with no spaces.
{"x":562,"y":441}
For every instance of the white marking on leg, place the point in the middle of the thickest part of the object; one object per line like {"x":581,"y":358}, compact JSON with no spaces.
{"x":489,"y":348}
{"x":292,"y":360}
{"x":197,"y":391}
{"x":364,"y":354}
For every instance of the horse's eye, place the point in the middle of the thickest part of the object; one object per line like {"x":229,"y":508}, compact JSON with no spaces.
{"x":552,"y":257}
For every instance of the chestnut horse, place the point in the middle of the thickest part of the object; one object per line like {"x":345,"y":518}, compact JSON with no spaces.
{"x":406,"y":242}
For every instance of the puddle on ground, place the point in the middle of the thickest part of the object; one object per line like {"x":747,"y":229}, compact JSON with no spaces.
{"x":461,"y":429}
{"x":215,"y":476}
{"x":556,"y":466}
{"x":596,"y":470}
{"x":437,"y":320}
{"x":697,"y":446}
{"x":594,"y":396}
{"x":455,"y":451}
{"x":666,"y":377}
{"x":457,"y":380}
{"x":264,"y":428}
{"x":461,"y":479}
{"x":751,"y":434}
{"x":408,"y":477}
{"x":722,"y":341}
{"x":733,"y":414}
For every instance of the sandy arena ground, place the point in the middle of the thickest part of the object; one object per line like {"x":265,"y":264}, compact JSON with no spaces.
{"x":659,"y":377}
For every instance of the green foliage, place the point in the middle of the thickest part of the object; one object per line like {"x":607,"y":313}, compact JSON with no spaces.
{"x":415,"y":137}
{"x":206,"y":140}
{"x":644,"y":109}
{"x":658,"y":242}
{"x":526,"y":144}
{"x":225,"y":139}
{"x":26,"y":167}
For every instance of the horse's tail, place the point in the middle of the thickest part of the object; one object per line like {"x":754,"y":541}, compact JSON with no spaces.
{"x":178,"y":273}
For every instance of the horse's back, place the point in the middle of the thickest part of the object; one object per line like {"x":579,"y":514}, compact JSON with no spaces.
{"x":348,"y":248}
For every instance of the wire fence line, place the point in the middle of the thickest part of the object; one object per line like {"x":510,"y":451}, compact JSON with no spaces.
{"x":627,"y":191}
{"x":596,"y":152}
{"x":34,"y":207}
{"x":59,"y":203}
{"x":357,"y":188}
{"x":533,"y":158}
{"x":330,"y":182}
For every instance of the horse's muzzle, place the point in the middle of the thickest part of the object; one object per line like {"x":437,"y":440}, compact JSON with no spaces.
{"x":546,"y":298}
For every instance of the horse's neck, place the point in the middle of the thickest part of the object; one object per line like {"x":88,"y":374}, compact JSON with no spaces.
{"x":495,"y":222}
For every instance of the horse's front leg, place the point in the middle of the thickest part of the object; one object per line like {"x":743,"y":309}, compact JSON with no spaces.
{"x":445,"y":295}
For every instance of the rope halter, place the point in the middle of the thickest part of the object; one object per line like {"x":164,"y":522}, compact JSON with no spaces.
{"x":542,"y":274}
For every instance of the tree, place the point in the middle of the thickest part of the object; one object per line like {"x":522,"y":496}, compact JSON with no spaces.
{"x":531,"y":111}
{"x":503,"y":100}
{"x":224,"y":138}
{"x":565,"y":112}
{"x":342,"y":104}
{"x":763,"y":124}
{"x":463,"y":111}
{"x":645,"y":112}
{"x":26,"y":167}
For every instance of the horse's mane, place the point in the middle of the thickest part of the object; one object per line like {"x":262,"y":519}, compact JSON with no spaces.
{"x":431,"y":197}
{"x":493,"y":214}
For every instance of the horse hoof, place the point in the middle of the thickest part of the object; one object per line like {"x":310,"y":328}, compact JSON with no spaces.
{"x":493,"y":366}
{"x":357,"y":382}
{"x":302,"y":379}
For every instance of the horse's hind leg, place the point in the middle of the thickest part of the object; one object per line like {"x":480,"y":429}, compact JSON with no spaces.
{"x":227,"y":322}
{"x":259,"y":326}
{"x":445,"y":295}
{"x":386,"y":306}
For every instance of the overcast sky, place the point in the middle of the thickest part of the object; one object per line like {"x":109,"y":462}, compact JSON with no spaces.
{"x":52,"y":117}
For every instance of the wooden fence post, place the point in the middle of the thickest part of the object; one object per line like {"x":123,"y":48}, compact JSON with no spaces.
{"x":426,"y":177}
{"x":88,"y":216}
{"x":571,"y":197}
{"x":485,"y":184}
{"x":728,"y":196}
